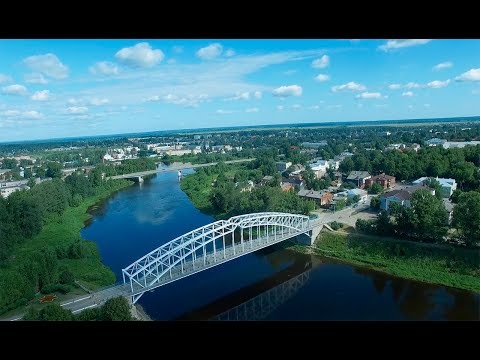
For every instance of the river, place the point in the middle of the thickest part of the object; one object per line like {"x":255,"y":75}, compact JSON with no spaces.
{"x":271,"y":284}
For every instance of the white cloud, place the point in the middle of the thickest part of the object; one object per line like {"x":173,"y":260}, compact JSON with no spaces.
{"x":35,"y":78}
{"x":381,"y":105}
{"x":426,"y":105}
{"x":11,"y":113}
{"x":350,"y":86}
{"x":5,"y":78}
{"x":394,"y":86}
{"x":105,"y":68}
{"x":210,"y":52}
{"x":188,"y":101}
{"x":407,"y":93}
{"x":470,"y":75}
{"x":73,"y":101}
{"x":32,"y":114}
{"x":296,"y":106}
{"x":77,"y":110}
{"x":437,"y":84}
{"x":241,"y":96}
{"x":280,"y":107}
{"x":250,"y":110}
{"x":314,"y":107}
{"x":444,"y":65}
{"x":398,"y":44}
{"x":369,"y":95}
{"x":47,"y":64}
{"x":411,"y":85}
{"x":290,"y":72}
{"x":177,"y":49}
{"x":330,"y":107}
{"x":410,"y":107}
{"x":98,"y":101}
{"x":220,"y":111}
{"x":43,"y":95}
{"x":322,"y":77}
{"x":140,"y":55}
{"x":15,"y":89}
{"x":290,"y":90}
{"x":229,"y":53}
{"x":258,"y":94}
{"x":321,"y":62}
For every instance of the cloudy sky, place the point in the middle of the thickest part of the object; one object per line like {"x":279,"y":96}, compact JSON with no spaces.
{"x":62,"y":88}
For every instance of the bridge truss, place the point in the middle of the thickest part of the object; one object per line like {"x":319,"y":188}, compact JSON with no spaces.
{"x":209,"y":246}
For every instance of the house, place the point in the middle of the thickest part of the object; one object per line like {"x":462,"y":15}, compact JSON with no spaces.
{"x":245,"y":185}
{"x":448,"y":186}
{"x":362,"y":194}
{"x":358,"y":178}
{"x":283,"y":165}
{"x":436,"y":142}
{"x":319,"y":167}
{"x":296,"y":169}
{"x":6,"y":191}
{"x":266,"y":180}
{"x":386,"y":181}
{"x":321,"y":198}
{"x":295,"y":182}
{"x":333,"y":164}
{"x":287,"y":186}
{"x":402,"y":196}
{"x":314,"y":145}
{"x":459,"y":144}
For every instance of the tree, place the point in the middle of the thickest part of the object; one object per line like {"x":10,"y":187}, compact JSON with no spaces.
{"x":54,"y":170}
{"x":54,"y":312}
{"x":430,"y":220}
{"x":9,"y":163}
{"x":375,"y":189}
{"x":346,"y":165}
{"x":375,"y":203}
{"x":116,"y":309}
{"x":466,"y":217}
{"x":435,"y":185}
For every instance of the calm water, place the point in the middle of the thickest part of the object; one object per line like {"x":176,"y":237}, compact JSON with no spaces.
{"x":271,"y":284}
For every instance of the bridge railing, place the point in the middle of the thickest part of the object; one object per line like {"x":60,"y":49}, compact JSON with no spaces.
{"x":149,"y":269}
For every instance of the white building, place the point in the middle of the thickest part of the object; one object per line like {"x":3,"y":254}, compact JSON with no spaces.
{"x":319,"y":167}
{"x":459,"y":144}
{"x":362,"y":194}
{"x":448,"y":185}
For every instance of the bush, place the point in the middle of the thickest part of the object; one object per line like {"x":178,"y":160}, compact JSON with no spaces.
{"x":67,"y":277}
{"x":336,"y":225}
{"x":116,"y":309}
{"x":61,"y":288}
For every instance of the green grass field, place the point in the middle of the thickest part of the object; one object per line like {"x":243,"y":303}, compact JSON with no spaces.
{"x":455,"y":267}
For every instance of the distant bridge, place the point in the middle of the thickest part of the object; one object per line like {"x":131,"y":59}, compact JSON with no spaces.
{"x":138,"y":176}
{"x":212,"y":245}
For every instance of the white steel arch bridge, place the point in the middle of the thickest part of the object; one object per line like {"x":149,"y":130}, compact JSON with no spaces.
{"x":212,"y":245}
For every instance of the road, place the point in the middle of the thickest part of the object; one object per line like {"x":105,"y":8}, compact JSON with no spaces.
{"x":175,"y":168}
{"x":348,"y":215}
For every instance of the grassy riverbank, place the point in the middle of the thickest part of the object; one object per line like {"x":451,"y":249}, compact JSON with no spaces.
{"x":444,"y":265}
{"x":59,"y":236}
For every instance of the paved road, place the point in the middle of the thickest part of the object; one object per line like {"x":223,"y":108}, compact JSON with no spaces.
{"x":176,"y":168}
{"x":348,"y":215}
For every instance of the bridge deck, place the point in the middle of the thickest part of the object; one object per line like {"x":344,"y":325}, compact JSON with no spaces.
{"x":212,"y":259}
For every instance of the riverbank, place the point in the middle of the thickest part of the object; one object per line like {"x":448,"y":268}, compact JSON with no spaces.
{"x":60,"y":235}
{"x":454,"y":267}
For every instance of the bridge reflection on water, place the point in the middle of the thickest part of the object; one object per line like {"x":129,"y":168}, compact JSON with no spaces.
{"x":258,"y":301}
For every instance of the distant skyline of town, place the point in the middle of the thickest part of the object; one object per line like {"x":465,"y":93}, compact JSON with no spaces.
{"x":69,"y":88}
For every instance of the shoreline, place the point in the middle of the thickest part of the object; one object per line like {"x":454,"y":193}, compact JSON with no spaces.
{"x":395,"y":266}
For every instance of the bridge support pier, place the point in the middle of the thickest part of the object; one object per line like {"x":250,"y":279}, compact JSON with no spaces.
{"x":310,"y":237}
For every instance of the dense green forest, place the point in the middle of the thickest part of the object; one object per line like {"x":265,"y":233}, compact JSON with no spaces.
{"x":40,"y":245}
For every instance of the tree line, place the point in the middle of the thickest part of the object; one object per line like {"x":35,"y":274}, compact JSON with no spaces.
{"x":426,"y":220}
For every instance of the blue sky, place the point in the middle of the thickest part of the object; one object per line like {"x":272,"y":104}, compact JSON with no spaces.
{"x":62,"y":88}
